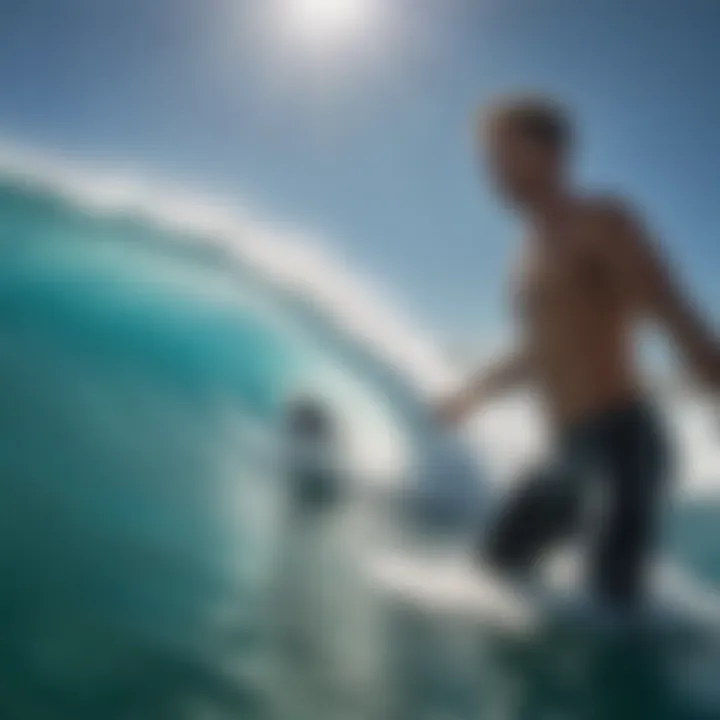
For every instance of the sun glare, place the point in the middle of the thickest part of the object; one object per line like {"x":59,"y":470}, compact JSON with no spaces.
{"x":323,"y":23}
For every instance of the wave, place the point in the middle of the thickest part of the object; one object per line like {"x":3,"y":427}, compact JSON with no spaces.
{"x":297,"y":275}
{"x":289,"y":258}
{"x":149,"y":337}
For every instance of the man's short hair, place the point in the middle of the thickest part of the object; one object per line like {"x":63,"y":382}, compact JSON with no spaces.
{"x":536,"y":117}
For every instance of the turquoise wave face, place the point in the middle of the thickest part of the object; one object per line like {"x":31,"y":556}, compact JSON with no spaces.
{"x":143,"y":377}
{"x":145,"y":373}
{"x":136,"y":514}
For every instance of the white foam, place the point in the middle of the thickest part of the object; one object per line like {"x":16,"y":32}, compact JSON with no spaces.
{"x":297,"y":260}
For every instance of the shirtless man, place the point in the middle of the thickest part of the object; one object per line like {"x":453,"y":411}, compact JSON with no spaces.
{"x":588,"y":275}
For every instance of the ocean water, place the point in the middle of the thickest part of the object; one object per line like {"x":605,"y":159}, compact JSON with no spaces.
{"x":152,"y":564}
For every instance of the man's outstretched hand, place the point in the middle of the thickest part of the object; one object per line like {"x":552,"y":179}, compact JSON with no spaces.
{"x":504,"y":374}
{"x":451,"y":411}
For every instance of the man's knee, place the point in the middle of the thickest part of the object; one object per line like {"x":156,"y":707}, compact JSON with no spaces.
{"x":537,"y":514}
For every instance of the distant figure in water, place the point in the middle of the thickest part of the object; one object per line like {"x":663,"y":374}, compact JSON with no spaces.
{"x":587,"y":275}
{"x":312,"y":438}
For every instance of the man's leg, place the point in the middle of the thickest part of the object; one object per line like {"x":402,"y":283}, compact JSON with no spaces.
{"x":542,"y":510}
{"x":634,"y":461}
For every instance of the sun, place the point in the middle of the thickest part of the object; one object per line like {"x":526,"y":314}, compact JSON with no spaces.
{"x":330,"y":23}
{"x":322,"y":48}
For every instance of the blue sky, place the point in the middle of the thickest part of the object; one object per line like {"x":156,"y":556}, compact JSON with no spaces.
{"x":381,"y":161}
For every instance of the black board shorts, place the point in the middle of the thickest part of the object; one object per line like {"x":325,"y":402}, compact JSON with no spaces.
{"x":605,"y":482}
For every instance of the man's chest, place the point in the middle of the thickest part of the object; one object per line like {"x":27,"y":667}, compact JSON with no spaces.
{"x":562,"y":273}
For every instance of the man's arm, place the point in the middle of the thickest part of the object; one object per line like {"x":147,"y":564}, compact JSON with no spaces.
{"x":658,"y":295}
{"x":502,"y":375}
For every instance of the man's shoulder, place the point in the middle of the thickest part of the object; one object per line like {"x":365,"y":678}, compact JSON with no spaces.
{"x":609,"y":208}
{"x":611,"y":224}
{"x":616,"y":232}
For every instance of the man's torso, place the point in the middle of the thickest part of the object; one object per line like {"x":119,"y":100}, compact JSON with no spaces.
{"x":576,"y":317}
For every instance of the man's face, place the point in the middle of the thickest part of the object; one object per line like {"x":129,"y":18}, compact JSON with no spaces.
{"x":521,"y":167}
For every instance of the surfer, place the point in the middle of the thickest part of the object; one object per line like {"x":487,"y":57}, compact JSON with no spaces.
{"x":312,"y":446}
{"x":588,"y":273}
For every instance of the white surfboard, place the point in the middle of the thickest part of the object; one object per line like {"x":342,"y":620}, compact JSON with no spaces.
{"x":455,"y":587}
{"x":451,"y":587}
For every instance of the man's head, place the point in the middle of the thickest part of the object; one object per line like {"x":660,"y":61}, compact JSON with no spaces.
{"x":528,"y":140}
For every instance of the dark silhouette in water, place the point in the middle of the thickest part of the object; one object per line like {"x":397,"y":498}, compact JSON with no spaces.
{"x":312,"y":434}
